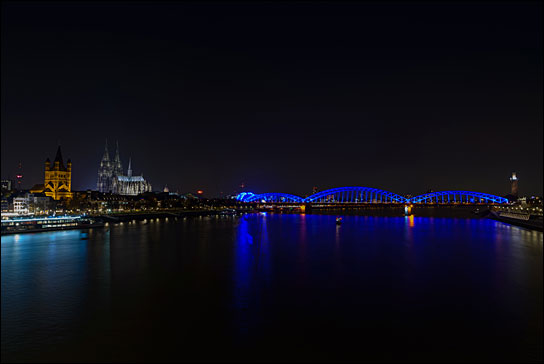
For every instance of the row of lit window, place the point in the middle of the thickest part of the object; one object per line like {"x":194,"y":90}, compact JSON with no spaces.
{"x":11,"y":223}
{"x":46,"y":226}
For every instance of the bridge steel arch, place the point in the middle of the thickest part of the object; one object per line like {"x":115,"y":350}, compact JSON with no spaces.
{"x":244,"y":196}
{"x":355,"y":195}
{"x":457,"y":197}
{"x":273,"y":197}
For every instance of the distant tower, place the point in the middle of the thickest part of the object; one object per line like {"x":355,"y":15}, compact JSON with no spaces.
{"x":514,"y":183}
{"x":166,"y":189}
{"x":19,"y":176}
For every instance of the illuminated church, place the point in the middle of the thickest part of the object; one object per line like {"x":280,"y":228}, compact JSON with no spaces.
{"x":112,"y":180}
{"x":58,"y":179}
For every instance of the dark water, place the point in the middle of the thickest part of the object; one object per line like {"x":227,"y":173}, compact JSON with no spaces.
{"x":275,"y":287}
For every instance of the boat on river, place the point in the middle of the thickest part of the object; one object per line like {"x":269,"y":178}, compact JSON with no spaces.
{"x":31,"y":224}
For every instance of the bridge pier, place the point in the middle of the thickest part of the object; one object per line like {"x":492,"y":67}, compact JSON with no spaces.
{"x":306,"y":208}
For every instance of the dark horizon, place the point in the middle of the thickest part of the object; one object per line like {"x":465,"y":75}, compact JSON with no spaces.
{"x":283,"y":97}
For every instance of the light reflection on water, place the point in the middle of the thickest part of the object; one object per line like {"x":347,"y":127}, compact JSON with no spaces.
{"x":242,"y":272}
{"x":293,"y":286}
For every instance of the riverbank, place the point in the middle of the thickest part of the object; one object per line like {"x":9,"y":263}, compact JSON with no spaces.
{"x":129,"y":216}
{"x":100,"y":221}
{"x":469,"y":212}
{"x":532,"y":222}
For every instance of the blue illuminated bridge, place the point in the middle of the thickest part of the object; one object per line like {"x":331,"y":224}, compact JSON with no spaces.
{"x":373,"y":195}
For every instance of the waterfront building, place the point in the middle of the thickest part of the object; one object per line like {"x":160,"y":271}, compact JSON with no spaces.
{"x":5,"y":205}
{"x":20,"y":205}
{"x":39,"y":202}
{"x":112,"y":180}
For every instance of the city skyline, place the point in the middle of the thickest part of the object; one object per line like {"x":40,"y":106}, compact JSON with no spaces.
{"x":452,"y":102}
{"x":266,"y":181}
{"x":236,"y":189}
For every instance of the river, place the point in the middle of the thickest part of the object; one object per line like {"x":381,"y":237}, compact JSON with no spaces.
{"x":275,"y":287}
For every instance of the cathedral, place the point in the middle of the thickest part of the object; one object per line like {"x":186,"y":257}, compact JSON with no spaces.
{"x":111,"y":178}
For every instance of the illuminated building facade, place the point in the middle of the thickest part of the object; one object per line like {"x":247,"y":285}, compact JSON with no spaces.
{"x":5,"y":205}
{"x":112,"y":180}
{"x":58,"y":178}
{"x":20,"y":205}
{"x":129,"y":184}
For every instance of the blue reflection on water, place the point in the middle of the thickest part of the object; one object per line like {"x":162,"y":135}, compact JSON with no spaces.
{"x":242,"y":271}
{"x":372,"y":272}
{"x":45,"y":286}
{"x":36,"y":267}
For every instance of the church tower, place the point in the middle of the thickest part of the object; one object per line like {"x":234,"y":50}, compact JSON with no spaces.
{"x":117,"y":169}
{"x":104,"y":183}
{"x":58,"y":178}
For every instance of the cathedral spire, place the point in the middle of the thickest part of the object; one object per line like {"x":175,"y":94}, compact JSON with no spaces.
{"x":58,"y":158}
{"x":106,"y":157}
{"x":117,"y":166}
{"x":104,"y":183}
{"x":129,"y":172}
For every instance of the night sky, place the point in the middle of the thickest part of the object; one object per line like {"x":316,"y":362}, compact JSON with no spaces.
{"x":281,"y":96}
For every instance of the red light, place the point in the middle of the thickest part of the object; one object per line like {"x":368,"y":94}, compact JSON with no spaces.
{"x":200,"y":192}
